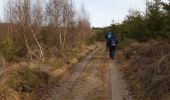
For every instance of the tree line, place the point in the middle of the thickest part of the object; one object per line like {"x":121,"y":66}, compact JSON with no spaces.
{"x":154,"y":23}
{"x":33,"y":27}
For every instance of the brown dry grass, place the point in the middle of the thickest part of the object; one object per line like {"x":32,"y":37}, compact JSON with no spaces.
{"x":18,"y":81}
{"x":148,"y":69}
{"x":21,"y":81}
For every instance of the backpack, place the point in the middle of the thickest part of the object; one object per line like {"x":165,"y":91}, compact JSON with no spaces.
{"x":109,"y":35}
{"x":113,"y":42}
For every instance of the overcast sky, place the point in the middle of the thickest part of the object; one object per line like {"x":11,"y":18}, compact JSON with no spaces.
{"x":102,"y":12}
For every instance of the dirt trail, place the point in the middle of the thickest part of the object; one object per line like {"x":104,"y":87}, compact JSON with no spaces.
{"x":94,"y":78}
{"x":119,"y":90}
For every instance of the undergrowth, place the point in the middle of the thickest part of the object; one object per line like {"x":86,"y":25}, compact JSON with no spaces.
{"x":148,"y":69}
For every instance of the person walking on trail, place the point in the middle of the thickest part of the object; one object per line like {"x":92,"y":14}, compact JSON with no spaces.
{"x":111,"y":43}
{"x":108,"y":36}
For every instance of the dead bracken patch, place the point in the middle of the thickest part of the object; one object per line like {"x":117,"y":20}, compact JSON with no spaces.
{"x":148,"y":69}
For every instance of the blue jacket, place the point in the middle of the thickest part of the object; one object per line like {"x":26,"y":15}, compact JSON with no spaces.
{"x":112,"y":42}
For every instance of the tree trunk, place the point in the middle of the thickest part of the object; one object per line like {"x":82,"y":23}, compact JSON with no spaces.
{"x":38,"y":43}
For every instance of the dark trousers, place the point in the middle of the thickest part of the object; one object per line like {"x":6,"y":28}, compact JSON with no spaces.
{"x":112,"y":52}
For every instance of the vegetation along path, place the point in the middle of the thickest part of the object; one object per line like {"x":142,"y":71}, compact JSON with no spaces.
{"x":94,"y":78}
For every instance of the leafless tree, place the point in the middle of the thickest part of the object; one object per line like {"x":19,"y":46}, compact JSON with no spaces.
{"x":31,"y":17}
{"x":83,"y":23}
{"x":37,"y":21}
{"x":20,"y":14}
{"x":61,"y":15}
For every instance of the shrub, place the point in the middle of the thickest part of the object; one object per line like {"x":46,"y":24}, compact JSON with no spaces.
{"x":98,"y":36}
{"x":149,"y":67}
{"x":7,"y":49}
{"x":24,"y":79}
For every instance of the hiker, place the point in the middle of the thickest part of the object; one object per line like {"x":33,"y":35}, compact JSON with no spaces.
{"x":108,"y":36}
{"x":111,"y":43}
